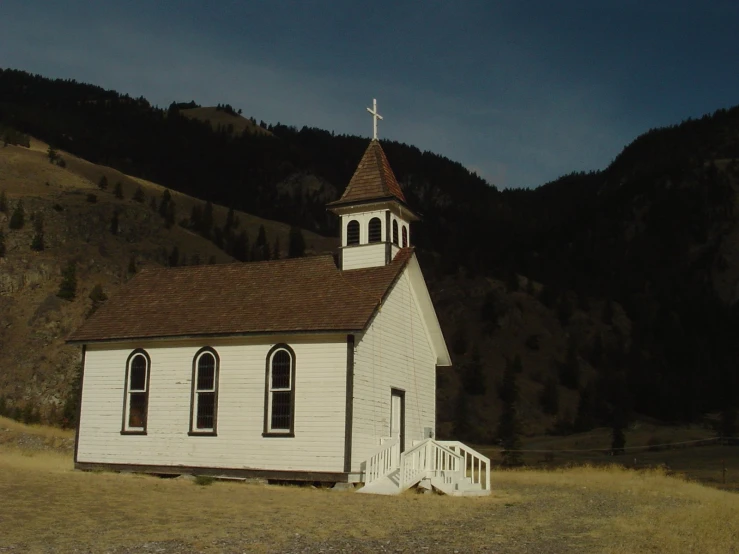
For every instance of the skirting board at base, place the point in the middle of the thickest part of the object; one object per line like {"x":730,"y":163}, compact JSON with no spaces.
{"x":233,"y":473}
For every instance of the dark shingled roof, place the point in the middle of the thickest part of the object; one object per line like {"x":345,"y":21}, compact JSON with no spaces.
{"x":303,"y":294}
{"x":373,"y":179}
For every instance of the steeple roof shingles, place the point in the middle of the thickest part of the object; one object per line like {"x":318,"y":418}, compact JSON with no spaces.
{"x":373,"y":179}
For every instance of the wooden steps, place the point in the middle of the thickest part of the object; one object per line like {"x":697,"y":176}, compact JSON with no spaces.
{"x":449,"y":467}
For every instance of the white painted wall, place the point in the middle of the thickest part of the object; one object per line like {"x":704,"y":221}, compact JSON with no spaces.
{"x":364,"y":255}
{"x":320,"y":403}
{"x":394,"y":352}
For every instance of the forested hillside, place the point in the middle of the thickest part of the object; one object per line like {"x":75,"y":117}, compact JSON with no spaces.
{"x":606,"y":296}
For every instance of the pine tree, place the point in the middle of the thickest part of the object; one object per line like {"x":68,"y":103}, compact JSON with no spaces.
{"x":462,"y":427}
{"x":103,"y":183}
{"x":131,"y":266}
{"x":549,"y":398}
{"x":260,"y":251}
{"x":68,"y":286}
{"x":473,"y":377}
{"x":72,"y":400}
{"x":37,"y":244}
{"x":164,"y":203}
{"x":170,"y":215}
{"x":618,"y":440}
{"x":118,"y":191}
{"x":232,"y":222}
{"x":239,"y":247}
{"x":174,"y":257}
{"x":139,"y":196}
{"x":3,"y":202}
{"x":18,"y":219}
{"x":97,"y":294}
{"x":196,"y":217}
{"x":509,"y":425}
{"x":508,"y":390}
{"x":569,"y":370}
{"x":206,"y":223}
{"x":276,"y":249}
{"x":52,"y":154}
{"x":459,"y":340}
{"x":585,"y":419}
{"x":296,"y":243}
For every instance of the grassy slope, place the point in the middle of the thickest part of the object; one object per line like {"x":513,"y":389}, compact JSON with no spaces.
{"x":38,"y":366}
{"x":573,"y":510}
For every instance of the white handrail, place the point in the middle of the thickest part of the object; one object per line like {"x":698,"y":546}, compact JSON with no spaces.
{"x":478,"y":465}
{"x":427,"y":459}
{"x":382,"y":461}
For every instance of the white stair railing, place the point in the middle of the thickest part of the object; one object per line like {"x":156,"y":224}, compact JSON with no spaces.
{"x":382,"y":462}
{"x":475,"y":465}
{"x":427,"y":459}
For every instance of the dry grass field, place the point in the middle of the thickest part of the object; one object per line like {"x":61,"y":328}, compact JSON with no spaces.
{"x":692,"y":453}
{"x":48,"y":507}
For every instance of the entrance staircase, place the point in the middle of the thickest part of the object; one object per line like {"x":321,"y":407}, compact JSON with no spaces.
{"x":449,"y":467}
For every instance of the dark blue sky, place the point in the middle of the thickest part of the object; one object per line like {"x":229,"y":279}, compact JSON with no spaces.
{"x":520,"y":91}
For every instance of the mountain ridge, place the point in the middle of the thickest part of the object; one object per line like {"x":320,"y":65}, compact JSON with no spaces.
{"x":620,"y":285}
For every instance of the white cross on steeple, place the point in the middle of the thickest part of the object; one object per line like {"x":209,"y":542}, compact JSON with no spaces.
{"x":375,"y":117}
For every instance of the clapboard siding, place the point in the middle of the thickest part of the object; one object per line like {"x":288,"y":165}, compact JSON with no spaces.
{"x":320,"y":401}
{"x":394,"y":352}
{"x":365,"y":255}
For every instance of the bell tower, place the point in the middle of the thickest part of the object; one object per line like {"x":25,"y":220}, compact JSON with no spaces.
{"x":375,"y":219}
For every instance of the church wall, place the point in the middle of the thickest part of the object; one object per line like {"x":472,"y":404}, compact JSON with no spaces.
{"x":320,"y":403}
{"x":368,"y":255}
{"x":394,"y":352}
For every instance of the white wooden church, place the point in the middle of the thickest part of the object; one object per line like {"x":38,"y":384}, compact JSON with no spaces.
{"x":293,"y":369}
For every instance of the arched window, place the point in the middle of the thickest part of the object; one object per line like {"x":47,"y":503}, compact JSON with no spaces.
{"x":395,"y":231}
{"x":137,"y":393}
{"x":352,"y":232}
{"x":204,"y":407}
{"x":405,"y":236}
{"x":279,"y":402}
{"x":375,"y":230}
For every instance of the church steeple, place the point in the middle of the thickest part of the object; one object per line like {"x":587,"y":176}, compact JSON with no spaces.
{"x":375,"y":219}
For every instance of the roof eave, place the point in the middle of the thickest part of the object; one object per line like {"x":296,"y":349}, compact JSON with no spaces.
{"x":84,"y":341}
{"x":340,"y":207}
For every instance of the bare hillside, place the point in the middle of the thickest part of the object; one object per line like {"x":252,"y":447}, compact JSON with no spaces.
{"x":78,"y":226}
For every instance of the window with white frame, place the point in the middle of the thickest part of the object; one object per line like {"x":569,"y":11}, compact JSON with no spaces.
{"x":136,"y":395}
{"x":405,"y":236}
{"x":280,"y":392}
{"x":395,"y":231}
{"x":204,"y":392}
{"x":352,"y":232}
{"x":375,"y":230}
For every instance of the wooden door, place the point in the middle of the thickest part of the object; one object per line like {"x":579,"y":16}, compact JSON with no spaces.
{"x":397,"y":416}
